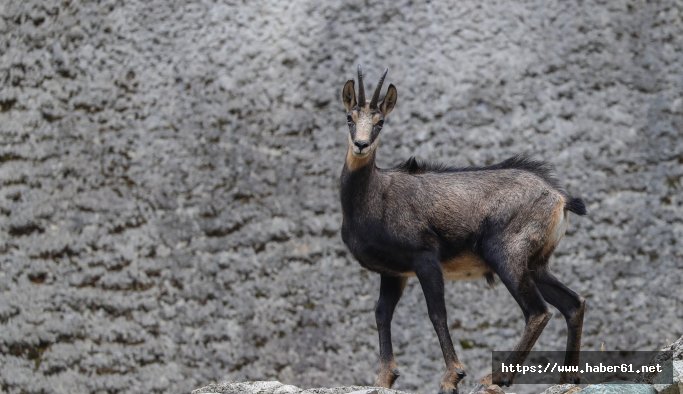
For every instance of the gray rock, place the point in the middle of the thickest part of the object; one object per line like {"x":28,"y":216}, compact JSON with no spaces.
{"x":484,"y":389}
{"x":677,"y":386}
{"x":669,"y":380}
{"x":273,"y":387}
{"x":619,"y":389}
{"x":562,"y":389}
{"x":662,"y":382}
{"x":676,"y":348}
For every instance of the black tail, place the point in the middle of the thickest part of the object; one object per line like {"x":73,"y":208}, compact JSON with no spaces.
{"x":576,"y":205}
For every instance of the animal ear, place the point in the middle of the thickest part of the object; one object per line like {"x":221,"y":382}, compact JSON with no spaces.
{"x":389,"y":100}
{"x":349,"y":95}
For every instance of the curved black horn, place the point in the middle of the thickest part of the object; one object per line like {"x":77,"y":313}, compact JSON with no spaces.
{"x":378,"y":90}
{"x":361,"y":88}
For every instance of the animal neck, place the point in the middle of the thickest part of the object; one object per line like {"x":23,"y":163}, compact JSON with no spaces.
{"x":355,"y":163}
{"x":357,"y":176}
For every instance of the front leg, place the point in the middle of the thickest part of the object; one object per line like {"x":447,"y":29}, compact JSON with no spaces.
{"x":390,"y":291}
{"x":428,"y":271}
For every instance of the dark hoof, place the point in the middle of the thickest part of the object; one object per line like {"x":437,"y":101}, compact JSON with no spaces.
{"x":387,"y":378}
{"x":573,"y":378}
{"x":461,"y":373}
{"x":502,"y":379}
{"x":394,"y":375}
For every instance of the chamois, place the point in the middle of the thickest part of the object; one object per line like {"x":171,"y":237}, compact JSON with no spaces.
{"x":435,"y":222}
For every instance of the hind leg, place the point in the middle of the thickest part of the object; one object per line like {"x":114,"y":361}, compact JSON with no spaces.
{"x":512,"y":269}
{"x":572,"y":307}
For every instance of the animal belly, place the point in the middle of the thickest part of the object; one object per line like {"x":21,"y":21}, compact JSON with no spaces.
{"x":464,"y":266}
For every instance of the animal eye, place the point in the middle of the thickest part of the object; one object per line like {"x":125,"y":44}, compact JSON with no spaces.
{"x":349,"y":119}
{"x":380,"y":123}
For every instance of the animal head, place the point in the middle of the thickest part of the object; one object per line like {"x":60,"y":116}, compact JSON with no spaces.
{"x":365,"y":119}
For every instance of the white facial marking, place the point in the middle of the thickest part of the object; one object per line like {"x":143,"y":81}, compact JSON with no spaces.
{"x":363,"y":127}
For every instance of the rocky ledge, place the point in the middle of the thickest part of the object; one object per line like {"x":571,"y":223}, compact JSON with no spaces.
{"x":646,"y":387}
{"x":274,"y":387}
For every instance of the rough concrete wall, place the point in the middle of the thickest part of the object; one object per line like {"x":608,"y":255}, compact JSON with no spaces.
{"x":169,"y":208}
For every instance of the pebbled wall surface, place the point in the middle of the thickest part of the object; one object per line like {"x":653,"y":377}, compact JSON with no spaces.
{"x":169,"y":209}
